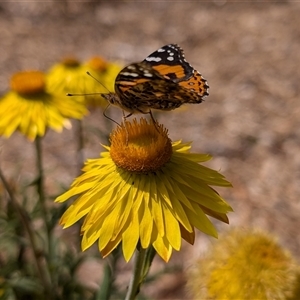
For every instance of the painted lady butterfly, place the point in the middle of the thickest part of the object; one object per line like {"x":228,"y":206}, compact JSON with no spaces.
{"x":163,"y":81}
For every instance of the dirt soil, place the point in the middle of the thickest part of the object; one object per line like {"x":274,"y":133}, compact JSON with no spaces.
{"x":248,"y":52}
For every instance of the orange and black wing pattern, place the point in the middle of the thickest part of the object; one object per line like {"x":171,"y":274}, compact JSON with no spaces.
{"x":164,"y":80}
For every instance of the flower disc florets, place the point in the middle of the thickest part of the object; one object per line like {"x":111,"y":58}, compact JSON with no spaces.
{"x":98,"y":64}
{"x":28,"y":82}
{"x":70,"y":62}
{"x":140,"y":147}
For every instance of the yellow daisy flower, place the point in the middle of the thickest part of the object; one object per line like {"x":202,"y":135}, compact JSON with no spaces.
{"x":70,"y":76}
{"x":145,"y":189}
{"x":29,"y":108}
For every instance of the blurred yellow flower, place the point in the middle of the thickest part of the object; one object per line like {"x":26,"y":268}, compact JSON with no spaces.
{"x":70,"y":76}
{"x":244,"y":264}
{"x":29,"y":108}
{"x":145,"y":189}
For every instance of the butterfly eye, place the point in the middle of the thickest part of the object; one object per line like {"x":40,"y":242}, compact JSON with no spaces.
{"x":111,"y":100}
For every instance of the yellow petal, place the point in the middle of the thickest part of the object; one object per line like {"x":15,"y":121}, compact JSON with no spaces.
{"x":130,"y":237}
{"x":172,"y":230}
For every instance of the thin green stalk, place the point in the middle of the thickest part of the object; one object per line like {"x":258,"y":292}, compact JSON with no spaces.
{"x":39,"y":259}
{"x":105,"y":289}
{"x":107,"y":285}
{"x":43,"y":206}
{"x":40,"y":184}
{"x":79,"y":139}
{"x":138,"y":274}
{"x":151,"y":252}
{"x":80,"y":145}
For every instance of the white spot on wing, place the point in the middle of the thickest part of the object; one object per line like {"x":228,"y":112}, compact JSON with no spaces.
{"x":161,"y":50}
{"x":170,"y":58}
{"x":156,"y":59}
{"x":131,"y":67}
{"x":130,"y":74}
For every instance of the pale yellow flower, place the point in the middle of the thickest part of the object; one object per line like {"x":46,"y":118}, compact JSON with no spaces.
{"x":31,"y":109}
{"x":244,"y":264}
{"x":70,"y":76}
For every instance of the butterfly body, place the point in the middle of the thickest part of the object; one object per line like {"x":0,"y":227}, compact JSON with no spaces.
{"x":163,"y":81}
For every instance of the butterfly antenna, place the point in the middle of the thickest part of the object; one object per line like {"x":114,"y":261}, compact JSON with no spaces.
{"x":106,"y":116}
{"x":88,"y":94}
{"x":88,"y":73}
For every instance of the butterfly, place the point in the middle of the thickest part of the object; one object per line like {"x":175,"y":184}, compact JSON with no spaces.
{"x":164,"y":81}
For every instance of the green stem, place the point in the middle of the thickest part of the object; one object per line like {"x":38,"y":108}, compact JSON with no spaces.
{"x":138,"y":274}
{"x":44,"y":212}
{"x":40,"y":185}
{"x":107,"y":286}
{"x":79,"y":146}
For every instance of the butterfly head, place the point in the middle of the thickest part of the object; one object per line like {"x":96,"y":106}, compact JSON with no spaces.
{"x":115,"y":100}
{"x":111,"y":98}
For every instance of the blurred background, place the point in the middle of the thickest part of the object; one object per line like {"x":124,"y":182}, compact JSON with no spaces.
{"x":249,"y":54}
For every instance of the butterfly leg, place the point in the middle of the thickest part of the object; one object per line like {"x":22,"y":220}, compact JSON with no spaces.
{"x":153,"y":120}
{"x":125,"y":117}
{"x":124,"y":120}
{"x":149,"y":112}
{"x":109,"y":118}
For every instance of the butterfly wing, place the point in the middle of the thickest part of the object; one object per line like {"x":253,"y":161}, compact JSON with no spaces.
{"x":196,"y":85}
{"x":140,"y":88}
{"x":170,"y":62}
{"x":164,"y":80}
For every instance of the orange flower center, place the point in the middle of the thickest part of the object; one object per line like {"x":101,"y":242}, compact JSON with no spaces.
{"x":70,"y":61}
{"x":28,"y":82}
{"x":140,"y":147}
{"x":98,"y":64}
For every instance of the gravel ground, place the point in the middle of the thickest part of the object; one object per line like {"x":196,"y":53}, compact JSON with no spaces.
{"x":248,"y":52}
